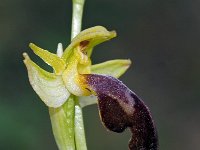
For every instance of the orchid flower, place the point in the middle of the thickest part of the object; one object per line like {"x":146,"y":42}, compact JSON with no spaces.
{"x":55,"y":88}
{"x":73,"y":74}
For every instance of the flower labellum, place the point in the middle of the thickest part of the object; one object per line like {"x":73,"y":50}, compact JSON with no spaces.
{"x":121,"y":108}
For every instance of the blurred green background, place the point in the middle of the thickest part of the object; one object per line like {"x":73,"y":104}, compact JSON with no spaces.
{"x":160,"y":37}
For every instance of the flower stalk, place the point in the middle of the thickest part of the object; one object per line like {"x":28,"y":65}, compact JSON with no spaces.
{"x":67,"y":120}
{"x":80,"y":141}
{"x":79,"y":127}
{"x":78,"y":6}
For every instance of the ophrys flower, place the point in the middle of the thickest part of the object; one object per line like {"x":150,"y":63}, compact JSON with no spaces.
{"x":74,"y":74}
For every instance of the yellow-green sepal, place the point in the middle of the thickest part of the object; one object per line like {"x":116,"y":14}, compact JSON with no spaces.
{"x":87,"y":39}
{"x":113,"y":68}
{"x":49,"y":87}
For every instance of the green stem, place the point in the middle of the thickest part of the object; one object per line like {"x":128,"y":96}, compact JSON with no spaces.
{"x":80,"y":141}
{"x":67,"y":120}
{"x":79,"y":127}
{"x":77,"y":17}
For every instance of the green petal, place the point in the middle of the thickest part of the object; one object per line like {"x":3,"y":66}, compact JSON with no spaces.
{"x":49,"y":87}
{"x":87,"y":39}
{"x":87,"y":100}
{"x":113,"y":68}
{"x":51,"y":59}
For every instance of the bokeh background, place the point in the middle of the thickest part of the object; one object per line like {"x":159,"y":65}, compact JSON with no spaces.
{"x":160,"y":37}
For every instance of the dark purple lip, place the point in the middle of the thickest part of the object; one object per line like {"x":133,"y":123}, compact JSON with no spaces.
{"x":121,"y":108}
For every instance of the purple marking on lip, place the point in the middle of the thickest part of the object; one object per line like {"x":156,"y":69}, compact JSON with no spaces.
{"x":121,"y":108}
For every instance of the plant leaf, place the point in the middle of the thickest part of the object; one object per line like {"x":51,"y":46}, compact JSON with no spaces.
{"x":49,"y":87}
{"x":113,"y":68}
{"x":62,"y":120}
